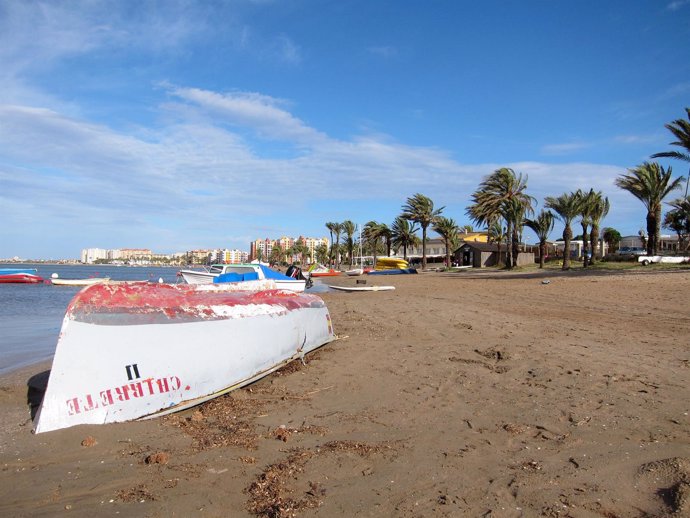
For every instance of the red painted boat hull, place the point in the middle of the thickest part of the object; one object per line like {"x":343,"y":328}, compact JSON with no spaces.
{"x":25,"y":278}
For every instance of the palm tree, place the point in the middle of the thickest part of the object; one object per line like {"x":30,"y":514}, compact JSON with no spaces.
{"x":349,"y":228}
{"x":566,"y":207}
{"x":502,"y":195}
{"x":371,"y":234}
{"x":277,"y":255}
{"x":681,"y":130}
{"x":403,"y":234}
{"x":448,"y":229}
{"x":331,"y":228}
{"x":542,"y":227}
{"x":496,"y":233}
{"x":420,"y":209}
{"x":387,"y":236}
{"x":612,"y":237}
{"x":337,"y":230}
{"x":650,"y":183}
{"x":599,"y":209}
{"x":678,"y":220}
{"x":586,"y":201}
{"x":321,"y":253}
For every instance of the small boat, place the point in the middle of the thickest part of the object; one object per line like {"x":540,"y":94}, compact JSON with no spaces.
{"x":140,"y":350}
{"x":362,"y":288}
{"x":355,"y":272}
{"x":245,"y":272}
{"x":9,"y":271}
{"x":78,"y":282}
{"x":317,"y":270}
{"x":19,"y":275}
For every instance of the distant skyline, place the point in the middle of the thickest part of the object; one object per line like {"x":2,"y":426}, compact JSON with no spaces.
{"x":176,"y":125}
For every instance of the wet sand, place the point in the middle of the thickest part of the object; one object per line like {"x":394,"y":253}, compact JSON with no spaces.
{"x":471,"y":394}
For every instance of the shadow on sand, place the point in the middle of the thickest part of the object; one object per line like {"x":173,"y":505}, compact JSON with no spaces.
{"x":36,"y":388}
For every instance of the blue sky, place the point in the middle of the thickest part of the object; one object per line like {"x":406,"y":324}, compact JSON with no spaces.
{"x":179,"y":125}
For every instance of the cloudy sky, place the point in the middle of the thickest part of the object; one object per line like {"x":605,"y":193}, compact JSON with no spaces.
{"x":175,"y":125}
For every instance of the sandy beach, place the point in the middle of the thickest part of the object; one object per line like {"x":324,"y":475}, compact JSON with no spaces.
{"x":486,"y":394}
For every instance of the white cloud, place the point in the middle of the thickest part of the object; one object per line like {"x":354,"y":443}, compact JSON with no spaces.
{"x":563,"y":148}
{"x":385,"y":51}
{"x":677,"y":4}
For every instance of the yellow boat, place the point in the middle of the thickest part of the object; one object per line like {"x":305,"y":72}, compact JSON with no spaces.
{"x":391,"y":263}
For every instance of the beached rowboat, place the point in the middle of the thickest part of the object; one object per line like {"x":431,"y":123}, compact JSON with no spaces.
{"x":134,"y":350}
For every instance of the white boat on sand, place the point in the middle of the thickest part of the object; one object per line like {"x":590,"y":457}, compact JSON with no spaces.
{"x":137,"y":350}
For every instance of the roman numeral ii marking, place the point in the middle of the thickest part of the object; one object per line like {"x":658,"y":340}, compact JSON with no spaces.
{"x":132,"y":369}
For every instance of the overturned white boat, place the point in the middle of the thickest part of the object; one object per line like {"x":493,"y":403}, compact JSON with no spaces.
{"x":136,"y":350}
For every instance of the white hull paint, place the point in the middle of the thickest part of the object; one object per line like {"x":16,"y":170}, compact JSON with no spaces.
{"x":669,"y":259}
{"x":362,"y":288}
{"x":132,"y":350}
{"x":79,"y":282}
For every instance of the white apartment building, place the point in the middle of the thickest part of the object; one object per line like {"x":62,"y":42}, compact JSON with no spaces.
{"x":91,"y":255}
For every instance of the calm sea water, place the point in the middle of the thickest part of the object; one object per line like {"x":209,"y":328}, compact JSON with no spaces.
{"x":31,"y":314}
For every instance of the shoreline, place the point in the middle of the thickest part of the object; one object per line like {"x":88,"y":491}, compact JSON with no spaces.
{"x":452,"y":395}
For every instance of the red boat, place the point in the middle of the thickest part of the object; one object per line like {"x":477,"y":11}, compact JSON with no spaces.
{"x":26,"y":278}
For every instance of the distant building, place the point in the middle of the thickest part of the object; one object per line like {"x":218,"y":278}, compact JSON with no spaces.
{"x":262,"y":248}
{"x":91,"y":255}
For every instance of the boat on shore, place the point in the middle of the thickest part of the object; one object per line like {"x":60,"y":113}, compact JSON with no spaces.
{"x":140,"y":350}
{"x":392,"y":266}
{"x":219,"y":273}
{"x":361,"y":288}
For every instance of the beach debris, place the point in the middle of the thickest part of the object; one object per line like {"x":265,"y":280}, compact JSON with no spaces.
{"x":160,"y":457}
{"x":88,"y":442}
{"x":139,"y":493}
{"x":546,"y":281}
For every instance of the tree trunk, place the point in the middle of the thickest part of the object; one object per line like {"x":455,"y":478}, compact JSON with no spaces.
{"x":594,"y":241}
{"x":423,"y":248}
{"x":585,"y":246}
{"x":542,"y":251}
{"x":515,"y":245}
{"x":509,"y":250}
{"x":567,"y":236}
{"x":651,"y":237}
{"x":657,"y":230}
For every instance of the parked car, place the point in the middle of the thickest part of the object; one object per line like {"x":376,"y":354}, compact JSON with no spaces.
{"x":631,"y":250}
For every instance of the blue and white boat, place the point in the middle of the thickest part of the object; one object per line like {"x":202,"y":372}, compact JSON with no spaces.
{"x":218,"y":273}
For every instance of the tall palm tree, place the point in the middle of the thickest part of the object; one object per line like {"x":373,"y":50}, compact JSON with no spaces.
{"x":387,"y":236}
{"x":678,"y":220}
{"x":496,"y":233}
{"x":681,"y":130}
{"x":650,"y":183}
{"x":277,"y":255}
{"x":567,"y":207}
{"x":599,"y":209}
{"x":337,"y":230}
{"x":331,"y":228}
{"x":321,"y":253}
{"x":371,"y":234}
{"x":349,"y":228}
{"x":586,"y":202}
{"x":420,"y":209}
{"x":542,"y":226}
{"x":403,"y":234}
{"x":502,"y":194}
{"x":448,"y":229}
